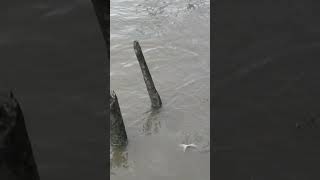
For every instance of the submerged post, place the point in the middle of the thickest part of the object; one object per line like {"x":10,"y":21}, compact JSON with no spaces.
{"x":16,"y":157}
{"x":118,"y":135}
{"x":153,"y":93}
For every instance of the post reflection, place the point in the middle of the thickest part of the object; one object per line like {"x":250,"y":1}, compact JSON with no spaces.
{"x":152,"y":123}
{"x":119,"y":157}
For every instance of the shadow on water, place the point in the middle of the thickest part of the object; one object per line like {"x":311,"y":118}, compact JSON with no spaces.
{"x":152,"y":122}
{"x":119,"y":157}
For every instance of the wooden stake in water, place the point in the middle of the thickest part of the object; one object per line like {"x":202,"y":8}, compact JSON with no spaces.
{"x":118,"y":134}
{"x":154,"y":96}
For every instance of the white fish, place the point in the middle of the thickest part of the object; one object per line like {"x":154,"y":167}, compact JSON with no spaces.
{"x":186,"y":146}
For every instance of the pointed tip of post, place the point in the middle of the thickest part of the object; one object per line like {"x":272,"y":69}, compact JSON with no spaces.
{"x":112,"y":93}
{"x":118,"y":132}
{"x":113,"y":97}
{"x":136,"y":47}
{"x":6,"y":92}
{"x":11,"y":94}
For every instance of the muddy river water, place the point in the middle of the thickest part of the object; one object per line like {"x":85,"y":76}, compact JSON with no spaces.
{"x":175,"y":39}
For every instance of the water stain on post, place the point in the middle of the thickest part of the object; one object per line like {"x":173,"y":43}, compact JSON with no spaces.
{"x":16,"y":157}
{"x":118,"y":134}
{"x":153,"y":93}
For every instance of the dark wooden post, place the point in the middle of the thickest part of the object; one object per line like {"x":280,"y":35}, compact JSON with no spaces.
{"x":118,"y":135}
{"x":16,"y":157}
{"x":153,"y":93}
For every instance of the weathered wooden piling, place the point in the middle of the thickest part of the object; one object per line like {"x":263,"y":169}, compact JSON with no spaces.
{"x":153,"y":93}
{"x":118,"y":134}
{"x":16,"y":157}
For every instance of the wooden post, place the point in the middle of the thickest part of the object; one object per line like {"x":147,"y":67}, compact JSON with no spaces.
{"x":16,"y":157}
{"x":153,"y":94}
{"x":118,"y":134}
